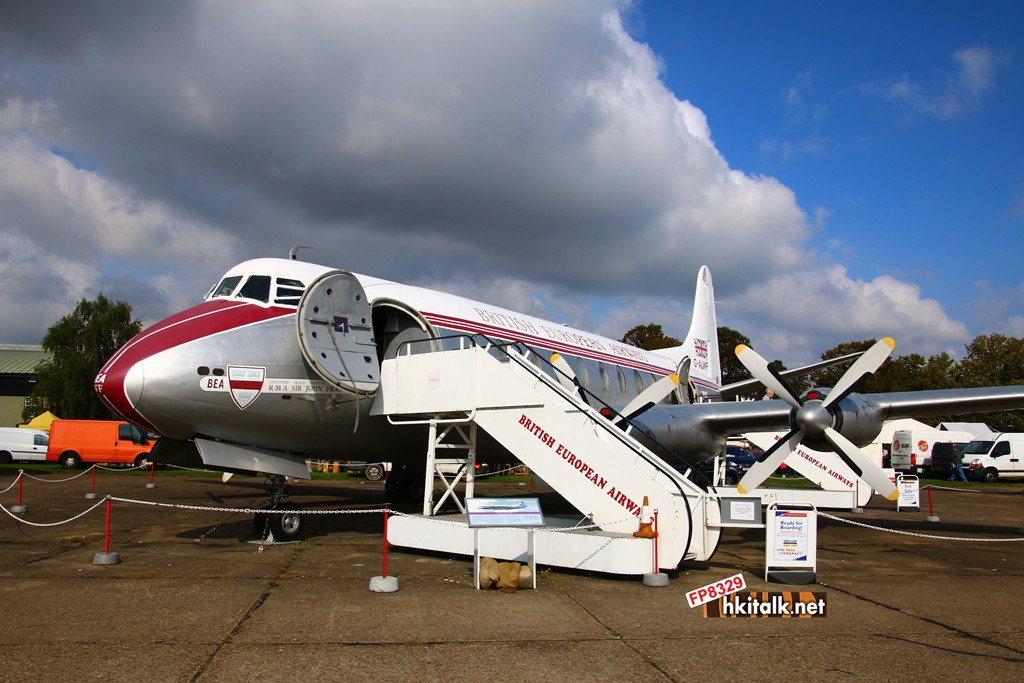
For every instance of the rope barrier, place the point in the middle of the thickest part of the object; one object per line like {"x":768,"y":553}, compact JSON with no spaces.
{"x":919,"y":535}
{"x":1001,"y":492}
{"x":14,"y":483}
{"x":265,"y":511}
{"x":59,"y":481}
{"x":22,"y":520}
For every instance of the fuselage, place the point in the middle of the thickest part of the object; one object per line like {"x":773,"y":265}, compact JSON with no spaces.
{"x":234,"y":368}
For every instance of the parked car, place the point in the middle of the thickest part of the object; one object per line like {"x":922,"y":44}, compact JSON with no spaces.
{"x":942,"y":458}
{"x":994,"y":456}
{"x":17,"y":443}
{"x":742,"y":458}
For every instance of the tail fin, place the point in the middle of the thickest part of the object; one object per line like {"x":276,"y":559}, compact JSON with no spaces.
{"x":701,"y":344}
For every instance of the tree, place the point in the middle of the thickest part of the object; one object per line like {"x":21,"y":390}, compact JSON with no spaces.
{"x":994,"y":360}
{"x":732,"y":369}
{"x":80,"y":343}
{"x":649,"y":337}
{"x":827,"y":377}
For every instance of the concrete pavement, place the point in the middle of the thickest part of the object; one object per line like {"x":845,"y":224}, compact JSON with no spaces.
{"x":194,"y":599}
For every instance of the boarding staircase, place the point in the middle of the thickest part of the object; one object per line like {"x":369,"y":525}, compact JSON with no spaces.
{"x":545,"y":421}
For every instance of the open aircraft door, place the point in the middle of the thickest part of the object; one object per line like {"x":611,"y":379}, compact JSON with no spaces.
{"x":336,"y":332}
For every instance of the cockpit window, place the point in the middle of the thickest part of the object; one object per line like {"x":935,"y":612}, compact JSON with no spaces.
{"x":226,"y":287}
{"x":256,"y":287}
{"x":288,"y":291}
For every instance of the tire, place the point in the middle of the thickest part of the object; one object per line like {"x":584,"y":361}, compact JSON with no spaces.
{"x":991,"y":475}
{"x":286,"y":526}
{"x":5,"y":458}
{"x":142,"y":461}
{"x":393,"y":493}
{"x":70,"y":460}
{"x":374,"y":472}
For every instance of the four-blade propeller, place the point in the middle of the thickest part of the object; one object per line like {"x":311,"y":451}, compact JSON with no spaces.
{"x":814,"y":418}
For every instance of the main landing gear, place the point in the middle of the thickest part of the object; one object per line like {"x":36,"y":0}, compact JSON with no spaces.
{"x":404,"y":485}
{"x":285,"y":525}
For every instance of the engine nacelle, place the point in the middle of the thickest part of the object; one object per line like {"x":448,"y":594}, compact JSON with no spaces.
{"x":856,"y":417}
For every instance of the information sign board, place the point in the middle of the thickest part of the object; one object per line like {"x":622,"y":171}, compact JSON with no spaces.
{"x":909,"y":487}
{"x":504,"y":512}
{"x":791,"y":546}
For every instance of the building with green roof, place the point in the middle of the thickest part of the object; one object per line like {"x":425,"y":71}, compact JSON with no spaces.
{"x":17,"y":379}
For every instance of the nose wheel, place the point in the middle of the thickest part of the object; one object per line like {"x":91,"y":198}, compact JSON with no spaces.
{"x":283,"y":520}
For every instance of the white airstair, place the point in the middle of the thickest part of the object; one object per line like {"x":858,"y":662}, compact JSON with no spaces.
{"x":601,"y":470}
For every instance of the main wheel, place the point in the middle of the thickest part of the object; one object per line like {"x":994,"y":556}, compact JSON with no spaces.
{"x":286,"y":526}
{"x":70,"y":460}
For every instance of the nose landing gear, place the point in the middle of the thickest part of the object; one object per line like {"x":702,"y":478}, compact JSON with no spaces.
{"x":285,"y":522}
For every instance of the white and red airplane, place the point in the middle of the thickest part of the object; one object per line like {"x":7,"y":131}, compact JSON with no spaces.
{"x":281,"y":362}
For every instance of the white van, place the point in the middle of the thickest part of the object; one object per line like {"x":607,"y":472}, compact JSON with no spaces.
{"x":993,"y":456}
{"x":912,"y":448}
{"x":22,"y":444}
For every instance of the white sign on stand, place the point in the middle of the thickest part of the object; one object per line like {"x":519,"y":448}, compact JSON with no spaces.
{"x":791,"y":546}
{"x":505,"y":512}
{"x":909,"y":487}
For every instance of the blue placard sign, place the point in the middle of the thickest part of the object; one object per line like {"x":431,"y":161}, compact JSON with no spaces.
{"x":509,"y":512}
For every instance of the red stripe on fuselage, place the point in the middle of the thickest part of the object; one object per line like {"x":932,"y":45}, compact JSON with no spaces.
{"x":205,"y":320}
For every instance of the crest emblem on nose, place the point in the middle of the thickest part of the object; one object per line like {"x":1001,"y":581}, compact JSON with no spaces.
{"x":245,"y":383}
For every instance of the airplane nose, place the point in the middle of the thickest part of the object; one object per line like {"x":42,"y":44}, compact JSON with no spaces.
{"x":133,"y":382}
{"x":120,"y":386}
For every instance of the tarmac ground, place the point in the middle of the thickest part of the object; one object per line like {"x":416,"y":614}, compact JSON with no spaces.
{"x":196,"y":597}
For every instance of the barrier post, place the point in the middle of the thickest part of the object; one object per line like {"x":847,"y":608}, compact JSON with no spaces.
{"x":656,"y":578}
{"x":152,"y":471}
{"x":19,"y":507}
{"x":106,"y":557}
{"x":384,"y":583}
{"x":92,"y":486}
{"x":384,"y":571}
{"x":932,"y":517}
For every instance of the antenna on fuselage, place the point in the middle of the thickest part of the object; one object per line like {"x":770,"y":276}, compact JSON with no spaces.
{"x":293,"y":250}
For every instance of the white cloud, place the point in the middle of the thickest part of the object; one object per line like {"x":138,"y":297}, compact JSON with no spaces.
{"x":959,"y":91}
{"x":526,"y":153}
{"x":824,"y":307}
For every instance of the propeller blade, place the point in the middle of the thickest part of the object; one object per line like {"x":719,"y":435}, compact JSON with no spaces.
{"x":870,"y":361}
{"x":763,"y":373}
{"x":769,"y":462}
{"x":869,"y":471}
{"x":650,"y":396}
{"x":565,"y":375}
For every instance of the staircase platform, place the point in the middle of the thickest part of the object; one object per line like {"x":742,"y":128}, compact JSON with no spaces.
{"x":558,"y":544}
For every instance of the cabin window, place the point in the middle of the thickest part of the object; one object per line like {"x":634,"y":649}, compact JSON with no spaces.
{"x":638,"y":381}
{"x":288,"y":291}
{"x":606,"y":381}
{"x":622,"y":379}
{"x":582,"y":372}
{"x":257,"y":287}
{"x":226,"y":286}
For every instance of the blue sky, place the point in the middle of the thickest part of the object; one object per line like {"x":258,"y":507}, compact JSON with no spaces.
{"x":871,"y":113}
{"x":847,"y":171}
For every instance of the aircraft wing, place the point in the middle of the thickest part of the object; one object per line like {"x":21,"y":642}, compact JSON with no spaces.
{"x":699,"y":431}
{"x":948,"y":401}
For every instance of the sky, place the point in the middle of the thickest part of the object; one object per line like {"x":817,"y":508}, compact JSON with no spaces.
{"x":847,"y":170}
